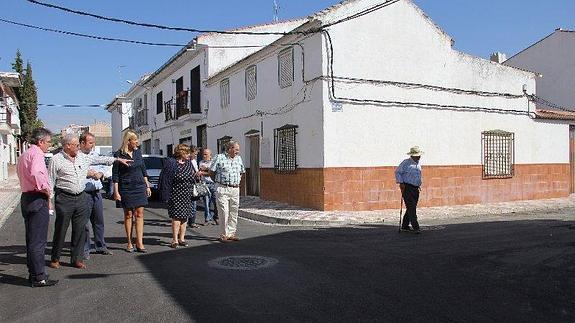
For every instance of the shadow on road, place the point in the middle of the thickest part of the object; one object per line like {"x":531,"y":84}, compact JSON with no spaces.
{"x":491,"y":271}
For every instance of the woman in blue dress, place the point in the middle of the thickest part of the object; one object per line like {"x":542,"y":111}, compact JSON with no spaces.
{"x":131,"y":188}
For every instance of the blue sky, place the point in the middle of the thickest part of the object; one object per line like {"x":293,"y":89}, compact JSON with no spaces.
{"x":72,"y":70}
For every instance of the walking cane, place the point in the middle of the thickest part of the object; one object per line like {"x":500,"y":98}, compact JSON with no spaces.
{"x":400,"y":211}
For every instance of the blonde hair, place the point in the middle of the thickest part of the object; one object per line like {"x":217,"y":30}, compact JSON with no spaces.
{"x":130,"y":134}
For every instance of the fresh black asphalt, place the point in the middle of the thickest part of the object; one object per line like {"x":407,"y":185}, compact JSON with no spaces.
{"x":517,"y":268}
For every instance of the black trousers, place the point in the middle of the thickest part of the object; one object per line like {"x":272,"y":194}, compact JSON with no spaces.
{"x":36,"y":215}
{"x":70,"y":208}
{"x":411,"y":197}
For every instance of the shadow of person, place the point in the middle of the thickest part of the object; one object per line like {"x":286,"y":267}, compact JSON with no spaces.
{"x":13,"y":280}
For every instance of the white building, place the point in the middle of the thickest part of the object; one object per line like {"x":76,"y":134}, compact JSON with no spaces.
{"x":168,"y":107}
{"x":326,"y":113}
{"x":554,"y":58}
{"x":9,"y":121}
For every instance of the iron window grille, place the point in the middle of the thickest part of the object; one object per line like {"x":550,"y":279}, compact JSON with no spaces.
{"x":225,"y":93}
{"x":222,"y":142}
{"x":285,"y":152}
{"x":251,"y":82}
{"x":498,"y":151}
{"x":285,"y":68}
{"x":168,"y":111}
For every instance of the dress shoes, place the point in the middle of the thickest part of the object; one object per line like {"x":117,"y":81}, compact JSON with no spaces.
{"x":79,"y":265}
{"x":43,"y":283}
{"x":55,"y":264}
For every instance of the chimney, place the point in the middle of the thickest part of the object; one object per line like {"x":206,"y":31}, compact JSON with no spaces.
{"x":498,"y":57}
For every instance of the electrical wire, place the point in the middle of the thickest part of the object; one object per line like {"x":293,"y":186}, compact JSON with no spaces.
{"x":90,"y":36}
{"x":536,"y":99}
{"x":71,"y":105}
{"x":149,"y":25}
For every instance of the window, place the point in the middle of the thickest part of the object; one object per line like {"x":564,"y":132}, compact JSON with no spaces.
{"x":285,"y":157}
{"x":195,"y":88}
{"x":159,"y":102}
{"x":251,"y":83}
{"x":170,"y":150}
{"x":285,"y":68}
{"x":222,"y":142}
{"x":498,"y":150}
{"x":225,"y":93}
{"x":202,"y":135}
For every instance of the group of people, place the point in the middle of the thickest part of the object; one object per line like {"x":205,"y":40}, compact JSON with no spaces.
{"x":72,"y":181}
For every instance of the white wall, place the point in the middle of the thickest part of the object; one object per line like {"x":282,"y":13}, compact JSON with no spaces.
{"x":120,"y":121}
{"x":271,"y":98}
{"x":398,"y":43}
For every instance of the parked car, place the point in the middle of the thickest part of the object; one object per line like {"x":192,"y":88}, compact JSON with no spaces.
{"x":154,"y":165}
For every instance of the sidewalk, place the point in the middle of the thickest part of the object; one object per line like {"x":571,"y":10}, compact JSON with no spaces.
{"x":253,"y":208}
{"x":9,"y":194}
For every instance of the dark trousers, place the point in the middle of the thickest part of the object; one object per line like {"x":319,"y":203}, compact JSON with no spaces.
{"x":36,"y":215}
{"x":411,"y":197}
{"x":70,"y":208}
{"x":96,"y":209}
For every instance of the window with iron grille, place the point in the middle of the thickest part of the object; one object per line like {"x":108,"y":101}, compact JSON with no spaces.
{"x":251,"y":82}
{"x":225,"y":93}
{"x":285,"y":68}
{"x":222,"y":142}
{"x":498,"y":150}
{"x":285,"y":157}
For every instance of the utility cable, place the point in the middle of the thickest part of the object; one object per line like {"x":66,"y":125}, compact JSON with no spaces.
{"x":149,"y":25}
{"x":90,"y":36}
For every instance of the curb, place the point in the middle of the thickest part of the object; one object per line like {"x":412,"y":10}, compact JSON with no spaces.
{"x":296,"y":222}
{"x":12,"y":204}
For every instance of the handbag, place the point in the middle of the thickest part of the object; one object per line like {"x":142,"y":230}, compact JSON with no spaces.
{"x":200,"y":189}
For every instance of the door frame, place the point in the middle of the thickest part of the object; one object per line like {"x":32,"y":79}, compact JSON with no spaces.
{"x":254,"y":187}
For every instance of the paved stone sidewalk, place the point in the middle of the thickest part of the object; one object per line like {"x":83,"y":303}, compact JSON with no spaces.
{"x":9,"y":195}
{"x":259,"y":210}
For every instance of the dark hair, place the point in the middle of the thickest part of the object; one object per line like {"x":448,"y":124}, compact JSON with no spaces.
{"x":84,"y":136}
{"x":39,"y":134}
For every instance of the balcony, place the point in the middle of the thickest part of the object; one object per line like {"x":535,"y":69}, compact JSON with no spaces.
{"x":182,"y":104}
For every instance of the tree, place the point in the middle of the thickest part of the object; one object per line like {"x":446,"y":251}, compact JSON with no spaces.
{"x":18,"y":66}
{"x":29,"y":103}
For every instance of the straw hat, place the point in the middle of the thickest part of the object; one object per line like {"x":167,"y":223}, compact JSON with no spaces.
{"x":415,"y":151}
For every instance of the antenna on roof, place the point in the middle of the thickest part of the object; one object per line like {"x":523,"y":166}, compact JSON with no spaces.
{"x":276,"y":11}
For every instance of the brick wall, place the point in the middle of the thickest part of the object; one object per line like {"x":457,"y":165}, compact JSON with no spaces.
{"x":362,"y":189}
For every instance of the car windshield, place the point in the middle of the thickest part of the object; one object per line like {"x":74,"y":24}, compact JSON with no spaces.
{"x":154,"y":162}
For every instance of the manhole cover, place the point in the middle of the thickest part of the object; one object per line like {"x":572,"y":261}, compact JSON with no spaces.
{"x":242,"y":262}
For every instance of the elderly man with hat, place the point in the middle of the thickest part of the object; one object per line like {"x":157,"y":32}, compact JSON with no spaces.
{"x":408,"y":176}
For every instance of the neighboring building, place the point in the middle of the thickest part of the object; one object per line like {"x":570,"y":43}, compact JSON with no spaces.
{"x":121,"y":110}
{"x":74,"y":129}
{"x":325,"y":113}
{"x":9,"y":121}
{"x":554,"y":58}
{"x":103,"y":133}
{"x":101,"y":130}
{"x":168,"y":107}
{"x":324,"y":122}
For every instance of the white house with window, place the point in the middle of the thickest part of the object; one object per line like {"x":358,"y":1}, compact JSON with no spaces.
{"x":9,"y":121}
{"x":325,"y":114}
{"x":168,"y":106}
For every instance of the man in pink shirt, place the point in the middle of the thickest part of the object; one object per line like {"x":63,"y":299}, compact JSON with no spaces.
{"x":35,"y":205}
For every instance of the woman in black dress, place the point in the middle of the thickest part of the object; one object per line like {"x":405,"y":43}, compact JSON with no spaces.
{"x":131,"y":188}
{"x":176,"y":184}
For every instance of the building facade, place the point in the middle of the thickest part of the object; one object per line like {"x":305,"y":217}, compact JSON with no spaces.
{"x":9,"y":122}
{"x":334,"y":114}
{"x":325,"y":112}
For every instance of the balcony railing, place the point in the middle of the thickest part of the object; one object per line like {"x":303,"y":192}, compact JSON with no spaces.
{"x":182,"y":104}
{"x":168,"y":110}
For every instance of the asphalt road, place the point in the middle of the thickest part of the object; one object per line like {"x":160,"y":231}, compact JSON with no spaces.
{"x":491,"y":269}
